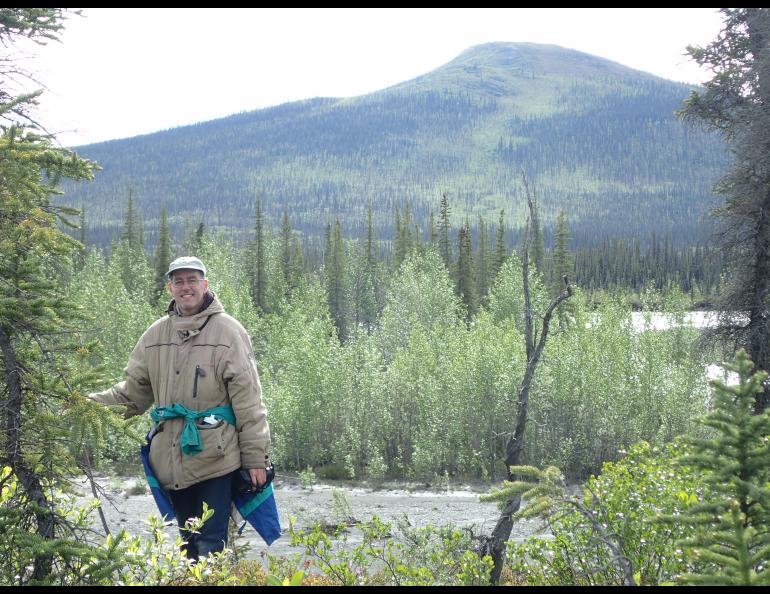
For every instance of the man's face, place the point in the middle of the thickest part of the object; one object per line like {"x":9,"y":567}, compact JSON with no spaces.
{"x":188,"y":287}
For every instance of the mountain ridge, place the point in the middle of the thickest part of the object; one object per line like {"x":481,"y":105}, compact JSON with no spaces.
{"x":467,"y":128}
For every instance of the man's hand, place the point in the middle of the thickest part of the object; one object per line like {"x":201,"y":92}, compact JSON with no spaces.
{"x":258,"y":477}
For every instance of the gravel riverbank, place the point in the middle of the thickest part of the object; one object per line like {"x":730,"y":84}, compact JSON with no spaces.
{"x":127,"y":507}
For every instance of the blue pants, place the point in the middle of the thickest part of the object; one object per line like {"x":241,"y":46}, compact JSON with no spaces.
{"x":188,"y":503}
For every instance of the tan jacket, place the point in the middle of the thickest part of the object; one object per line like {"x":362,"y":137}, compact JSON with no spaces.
{"x":199,"y":361}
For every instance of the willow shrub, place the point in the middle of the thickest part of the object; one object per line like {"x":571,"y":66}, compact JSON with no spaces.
{"x":627,"y":498}
{"x":605,"y":384}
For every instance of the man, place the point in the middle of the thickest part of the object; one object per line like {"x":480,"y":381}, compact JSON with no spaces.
{"x":197,"y":366}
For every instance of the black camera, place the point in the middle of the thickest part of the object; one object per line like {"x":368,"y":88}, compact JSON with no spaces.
{"x":242,"y":481}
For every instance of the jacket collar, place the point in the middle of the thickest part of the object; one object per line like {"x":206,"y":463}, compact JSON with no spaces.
{"x":189,"y":326}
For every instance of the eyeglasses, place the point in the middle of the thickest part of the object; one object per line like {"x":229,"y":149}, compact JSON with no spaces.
{"x":191,"y":282}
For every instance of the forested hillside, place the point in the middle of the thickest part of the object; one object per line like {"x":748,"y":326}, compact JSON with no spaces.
{"x":599,"y":141}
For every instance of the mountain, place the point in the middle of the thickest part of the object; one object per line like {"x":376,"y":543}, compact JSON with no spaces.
{"x":596,"y":138}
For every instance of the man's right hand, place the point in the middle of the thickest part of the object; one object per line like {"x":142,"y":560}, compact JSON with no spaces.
{"x":258,"y":477}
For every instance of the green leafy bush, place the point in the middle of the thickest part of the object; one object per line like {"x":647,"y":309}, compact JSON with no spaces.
{"x":308,"y":478}
{"x":626,"y":500}
{"x":404,"y":556}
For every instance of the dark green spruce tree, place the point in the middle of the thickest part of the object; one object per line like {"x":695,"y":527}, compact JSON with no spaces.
{"x":45,"y":359}
{"x":130,"y":254}
{"x":561,"y":266}
{"x":195,"y":241}
{"x":162,"y":255}
{"x":736,"y":103}
{"x":432,"y":236}
{"x":731,"y":546}
{"x":297,"y":269}
{"x":133,"y":232}
{"x":538,"y":243}
{"x":399,"y":246}
{"x":482,"y":264}
{"x":562,"y":257}
{"x":500,"y":253}
{"x":444,"y":247}
{"x":466,"y":282}
{"x":258,"y":275}
{"x":82,"y":236}
{"x":407,"y":236}
{"x":334,"y":266}
{"x":366,"y":280}
{"x":287,"y":248}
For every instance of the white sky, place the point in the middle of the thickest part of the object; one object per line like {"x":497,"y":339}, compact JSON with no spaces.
{"x":120,"y":72}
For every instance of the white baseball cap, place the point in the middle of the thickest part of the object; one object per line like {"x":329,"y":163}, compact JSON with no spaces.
{"x":190,"y":262}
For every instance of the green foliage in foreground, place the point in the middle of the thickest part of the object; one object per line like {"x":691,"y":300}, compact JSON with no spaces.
{"x":617,"y":510}
{"x":697,"y":512}
{"x":731,"y":526}
{"x":386,"y":555}
{"x":693,"y":511}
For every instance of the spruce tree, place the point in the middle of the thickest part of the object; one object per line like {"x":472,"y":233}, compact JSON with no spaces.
{"x":286,"y":251}
{"x":327,"y":248}
{"x":193,"y":241}
{"x":200,"y":233}
{"x":500,"y":253}
{"x":82,"y":226}
{"x":82,"y":237}
{"x":140,"y":232}
{"x":334,"y":265}
{"x":258,"y":271}
{"x":297,"y":270}
{"x":732,"y":543}
{"x":444,"y":248}
{"x":482,"y":263}
{"x":736,"y":103}
{"x":466,"y":283}
{"x":45,"y":361}
{"x":562,"y":266}
{"x":432,"y":236}
{"x":132,"y":256}
{"x":368,"y":296}
{"x":162,"y":255}
{"x":399,"y":248}
{"x":538,"y":244}
{"x":132,"y":223}
{"x":407,"y":236}
{"x":416,"y":243}
{"x":369,"y":248}
{"x":562,"y":258}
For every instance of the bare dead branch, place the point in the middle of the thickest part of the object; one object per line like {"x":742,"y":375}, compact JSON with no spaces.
{"x":495,"y":544}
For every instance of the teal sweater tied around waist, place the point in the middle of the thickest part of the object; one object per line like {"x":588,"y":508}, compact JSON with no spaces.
{"x":191,"y":437}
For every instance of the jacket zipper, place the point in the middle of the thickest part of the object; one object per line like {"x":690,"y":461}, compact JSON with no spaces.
{"x":195,"y":383}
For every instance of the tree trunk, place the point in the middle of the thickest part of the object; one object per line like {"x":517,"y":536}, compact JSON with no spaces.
{"x":13,"y":454}
{"x":494,"y":546}
{"x":759,"y":312}
{"x":758,"y":25}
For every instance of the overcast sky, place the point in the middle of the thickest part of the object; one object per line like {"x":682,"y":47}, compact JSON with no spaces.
{"x":120,"y":72}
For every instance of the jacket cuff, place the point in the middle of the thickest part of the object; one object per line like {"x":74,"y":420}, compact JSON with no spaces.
{"x":256,"y":460}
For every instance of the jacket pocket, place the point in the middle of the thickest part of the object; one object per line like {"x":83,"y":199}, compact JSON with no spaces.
{"x":205,"y":387}
{"x":202,"y":426}
{"x":162,"y":454}
{"x":219,"y":446}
